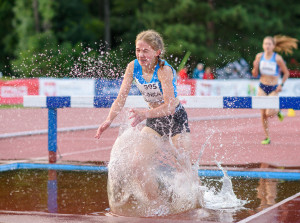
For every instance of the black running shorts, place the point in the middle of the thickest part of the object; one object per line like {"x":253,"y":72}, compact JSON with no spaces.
{"x":170,"y":125}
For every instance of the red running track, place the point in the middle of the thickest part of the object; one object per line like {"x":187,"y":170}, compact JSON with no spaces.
{"x":236,"y":141}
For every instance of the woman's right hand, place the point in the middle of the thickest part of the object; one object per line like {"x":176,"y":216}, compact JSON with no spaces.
{"x":102,"y":128}
{"x":256,"y":65}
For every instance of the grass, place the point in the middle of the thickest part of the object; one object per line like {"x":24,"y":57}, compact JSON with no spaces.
{"x":5,"y":78}
{"x":11,"y":106}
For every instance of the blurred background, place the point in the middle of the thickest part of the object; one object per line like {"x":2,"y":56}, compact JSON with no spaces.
{"x":95,"y":38}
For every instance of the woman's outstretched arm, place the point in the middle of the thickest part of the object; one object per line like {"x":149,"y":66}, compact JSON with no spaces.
{"x":120,"y":101}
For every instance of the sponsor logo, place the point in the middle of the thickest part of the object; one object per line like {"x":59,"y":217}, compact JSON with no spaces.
{"x":154,"y":94}
{"x":49,"y":88}
{"x":13,"y":91}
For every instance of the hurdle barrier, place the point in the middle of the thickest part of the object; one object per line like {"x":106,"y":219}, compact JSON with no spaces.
{"x":53,"y":103}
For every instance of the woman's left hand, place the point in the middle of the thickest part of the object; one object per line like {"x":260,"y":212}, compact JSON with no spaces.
{"x":137,"y":116}
{"x":279,"y":88}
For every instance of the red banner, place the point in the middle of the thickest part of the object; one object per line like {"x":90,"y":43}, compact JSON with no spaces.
{"x":186,"y":87}
{"x":294,"y":73}
{"x":12,"y":92}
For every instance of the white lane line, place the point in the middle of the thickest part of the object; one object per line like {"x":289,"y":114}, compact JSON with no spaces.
{"x":86,"y":151}
{"x":269,"y":208}
{"x":45,"y":131}
{"x":224,"y":117}
{"x":59,"y":155}
{"x":90,"y":127}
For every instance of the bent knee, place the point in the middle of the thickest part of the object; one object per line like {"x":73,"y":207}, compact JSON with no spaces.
{"x":270,"y":112}
{"x":182,"y":140}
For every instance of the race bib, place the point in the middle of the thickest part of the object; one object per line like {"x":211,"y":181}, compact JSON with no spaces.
{"x":267,"y":68}
{"x":150,"y":92}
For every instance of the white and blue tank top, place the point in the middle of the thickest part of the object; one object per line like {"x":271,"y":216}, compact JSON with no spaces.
{"x":269,"y":67}
{"x":152,"y":90}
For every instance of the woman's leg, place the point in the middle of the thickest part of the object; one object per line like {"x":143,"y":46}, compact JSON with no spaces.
{"x":265,"y":122}
{"x":272,"y":112}
{"x":143,"y":164}
{"x":152,"y":132}
{"x":182,"y":140}
{"x":264,"y":117}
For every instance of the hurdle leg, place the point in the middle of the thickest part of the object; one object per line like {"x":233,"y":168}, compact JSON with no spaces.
{"x":52,"y":134}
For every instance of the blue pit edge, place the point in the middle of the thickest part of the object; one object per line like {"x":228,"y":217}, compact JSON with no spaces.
{"x":201,"y":173}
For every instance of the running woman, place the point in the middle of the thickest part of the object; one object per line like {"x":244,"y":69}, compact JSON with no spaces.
{"x":269,"y":64}
{"x":154,"y":172}
{"x":156,"y":80}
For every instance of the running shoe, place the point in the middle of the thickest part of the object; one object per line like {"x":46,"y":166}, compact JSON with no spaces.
{"x":280,"y":116}
{"x":266,"y":141}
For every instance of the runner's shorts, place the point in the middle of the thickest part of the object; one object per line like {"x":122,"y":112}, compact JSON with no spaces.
{"x":170,"y":125}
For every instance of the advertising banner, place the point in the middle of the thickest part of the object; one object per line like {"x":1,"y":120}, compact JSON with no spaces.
{"x":12,"y":92}
{"x":105,"y":87}
{"x":186,"y":87}
{"x":66,"y":87}
{"x":291,"y":88}
{"x":227,"y":87}
{"x":241,"y":88}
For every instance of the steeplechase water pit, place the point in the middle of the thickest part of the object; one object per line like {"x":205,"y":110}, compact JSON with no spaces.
{"x":82,"y":190}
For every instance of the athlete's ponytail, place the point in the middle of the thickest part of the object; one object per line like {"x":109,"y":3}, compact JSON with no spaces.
{"x":283,"y":44}
{"x":160,"y":61}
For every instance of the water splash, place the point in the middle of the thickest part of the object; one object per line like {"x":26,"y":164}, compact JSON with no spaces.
{"x":78,"y":61}
{"x":203,"y":147}
{"x":225,"y":199}
{"x":147,"y":176}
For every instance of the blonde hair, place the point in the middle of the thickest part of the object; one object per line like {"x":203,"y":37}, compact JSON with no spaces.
{"x":155,"y":40}
{"x":284,"y":44}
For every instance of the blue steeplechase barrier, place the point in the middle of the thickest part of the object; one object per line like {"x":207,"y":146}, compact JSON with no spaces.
{"x":53,"y":103}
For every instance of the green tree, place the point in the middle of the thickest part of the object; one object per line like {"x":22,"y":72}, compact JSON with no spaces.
{"x":45,"y":58}
{"x":50,"y":36}
{"x":7,"y":37}
{"x":218,"y":32}
{"x":74,"y":23}
{"x":66,"y":38}
{"x":182,"y":23}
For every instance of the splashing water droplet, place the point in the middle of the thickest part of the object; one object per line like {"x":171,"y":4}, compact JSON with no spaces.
{"x":225,"y":198}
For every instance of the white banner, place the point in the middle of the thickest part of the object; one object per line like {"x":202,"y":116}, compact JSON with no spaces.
{"x":291,"y":88}
{"x":86,"y":87}
{"x":241,"y":87}
{"x":66,"y":87}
